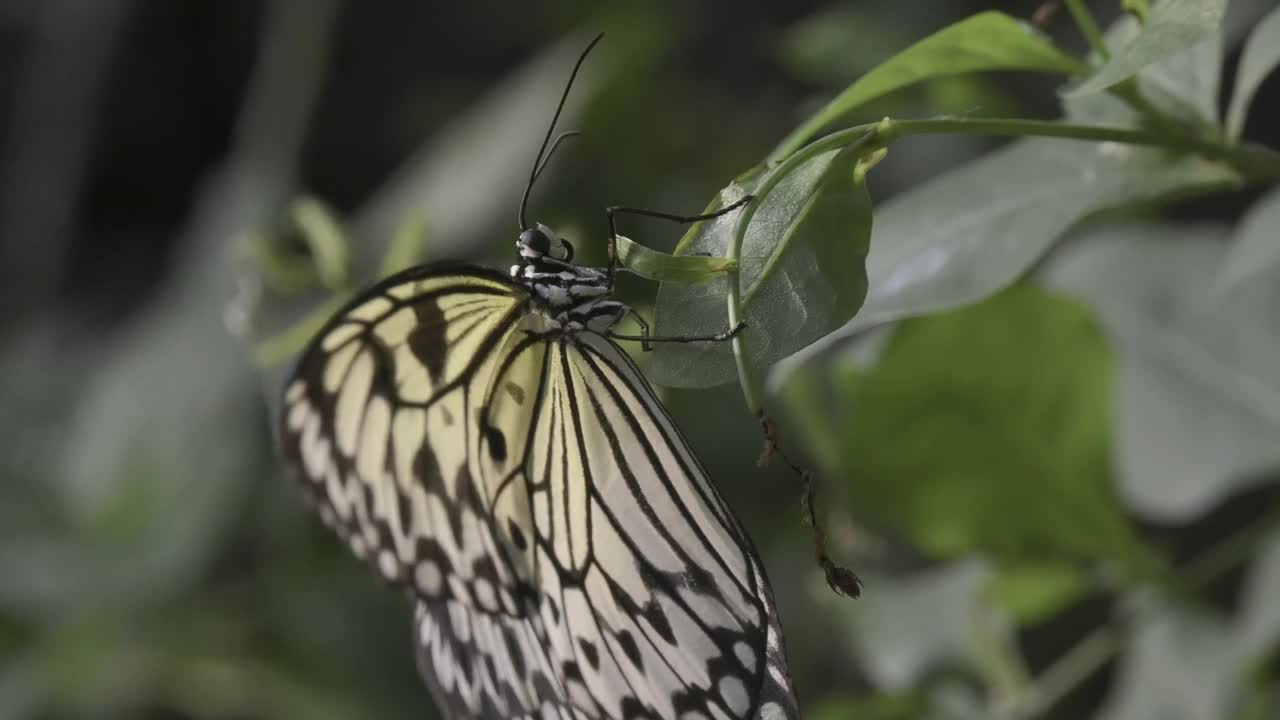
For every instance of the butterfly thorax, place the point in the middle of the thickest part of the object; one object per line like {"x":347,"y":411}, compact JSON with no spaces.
{"x":574,"y":297}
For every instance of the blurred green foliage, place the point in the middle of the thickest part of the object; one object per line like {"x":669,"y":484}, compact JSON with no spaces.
{"x":949,"y":430}
{"x":1046,"y":435}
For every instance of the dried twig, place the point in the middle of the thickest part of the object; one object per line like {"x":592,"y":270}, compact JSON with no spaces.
{"x":842,"y":580}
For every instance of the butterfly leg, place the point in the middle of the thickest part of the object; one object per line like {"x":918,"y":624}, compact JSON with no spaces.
{"x":644,"y":330}
{"x":645,"y":339}
{"x":613,"y":211}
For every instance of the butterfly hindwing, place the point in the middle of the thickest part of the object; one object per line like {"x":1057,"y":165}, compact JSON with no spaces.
{"x":567,"y":554}
{"x":690,"y":624}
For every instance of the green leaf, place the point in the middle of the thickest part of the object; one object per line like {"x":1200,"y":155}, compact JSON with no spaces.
{"x":802,"y":272}
{"x":839,"y":42}
{"x":1186,"y":85}
{"x":273,"y":351}
{"x":1197,"y":409}
{"x":985,"y":429}
{"x":1180,"y":665}
{"x":911,"y":623}
{"x":324,"y":236}
{"x":973,"y":231}
{"x":1034,"y":592}
{"x":1256,"y":245}
{"x":1261,"y":55}
{"x":1174,"y":26}
{"x":662,"y":267}
{"x":987,"y":41}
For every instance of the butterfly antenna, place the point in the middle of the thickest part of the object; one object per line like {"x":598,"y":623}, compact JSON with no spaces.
{"x":537,"y":162}
{"x":552,"y":152}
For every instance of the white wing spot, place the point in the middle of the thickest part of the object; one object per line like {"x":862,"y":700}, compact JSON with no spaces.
{"x":327,"y":517}
{"x":298,"y":413}
{"x":387,"y":565}
{"x":315,"y":457}
{"x":745,"y":654}
{"x":485,"y":598}
{"x":772,"y":711}
{"x":458,"y":622}
{"x":426,"y":628}
{"x":734,"y":694}
{"x":427,"y":577}
{"x":340,"y":335}
{"x":371,"y":310}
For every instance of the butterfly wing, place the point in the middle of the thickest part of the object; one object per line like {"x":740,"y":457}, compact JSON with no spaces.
{"x":649,"y":600}
{"x":568,"y":556}
{"x":379,"y":420}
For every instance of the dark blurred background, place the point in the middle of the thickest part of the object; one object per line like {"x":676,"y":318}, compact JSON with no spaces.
{"x":155,"y":562}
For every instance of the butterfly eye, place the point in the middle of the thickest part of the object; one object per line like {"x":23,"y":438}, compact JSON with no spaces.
{"x":568,"y":251}
{"x":535,"y":240}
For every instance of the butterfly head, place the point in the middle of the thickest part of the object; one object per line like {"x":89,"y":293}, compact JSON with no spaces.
{"x":576,"y":295}
{"x":540,"y":243}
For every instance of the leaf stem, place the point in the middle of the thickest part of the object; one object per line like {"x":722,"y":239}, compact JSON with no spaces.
{"x":274,"y":350}
{"x":1220,"y":558}
{"x":1088,"y":27}
{"x":1068,"y":671}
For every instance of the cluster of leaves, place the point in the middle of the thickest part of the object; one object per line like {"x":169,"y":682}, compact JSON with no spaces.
{"x":1132,"y":375}
{"x":1150,"y":107}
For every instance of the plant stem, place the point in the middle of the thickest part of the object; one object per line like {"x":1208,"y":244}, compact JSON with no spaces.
{"x":1128,"y":91}
{"x":1255,"y":163}
{"x":1214,"y":562}
{"x":1000,"y":660}
{"x":1068,"y":671}
{"x":746,"y":377}
{"x":1099,"y":646}
{"x":1088,"y":27}
{"x":1131,"y":94}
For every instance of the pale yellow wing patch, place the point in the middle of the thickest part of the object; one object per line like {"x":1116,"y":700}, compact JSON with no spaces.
{"x":387,"y":418}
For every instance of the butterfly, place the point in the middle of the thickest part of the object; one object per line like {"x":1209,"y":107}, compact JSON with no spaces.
{"x":482,"y":441}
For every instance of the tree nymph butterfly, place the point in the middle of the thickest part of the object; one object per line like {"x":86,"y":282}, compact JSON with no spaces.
{"x":482,"y":441}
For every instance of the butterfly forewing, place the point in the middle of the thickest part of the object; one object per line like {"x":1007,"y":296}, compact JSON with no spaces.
{"x":376,"y":420}
{"x":568,"y":555}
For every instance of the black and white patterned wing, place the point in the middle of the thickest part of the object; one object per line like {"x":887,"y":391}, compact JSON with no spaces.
{"x":648,"y":599}
{"x":380,"y":421}
{"x":567,"y":554}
